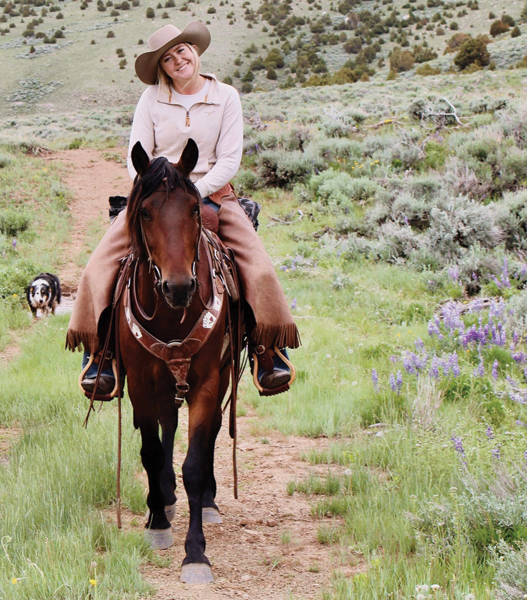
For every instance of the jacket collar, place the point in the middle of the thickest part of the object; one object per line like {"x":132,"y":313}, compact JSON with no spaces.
{"x":213,"y":97}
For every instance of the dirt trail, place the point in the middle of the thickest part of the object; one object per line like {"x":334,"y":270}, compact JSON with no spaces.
{"x":92,"y":179}
{"x":267,"y":546}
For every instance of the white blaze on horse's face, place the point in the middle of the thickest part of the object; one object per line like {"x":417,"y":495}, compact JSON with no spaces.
{"x":170,"y":229}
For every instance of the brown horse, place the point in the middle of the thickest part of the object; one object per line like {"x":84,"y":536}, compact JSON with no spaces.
{"x":172,"y":323}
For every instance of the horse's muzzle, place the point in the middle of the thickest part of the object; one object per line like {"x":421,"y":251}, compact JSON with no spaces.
{"x":179,"y":295}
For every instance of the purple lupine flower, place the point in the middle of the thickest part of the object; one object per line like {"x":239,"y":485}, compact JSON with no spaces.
{"x":434,"y":368}
{"x":419,"y":344}
{"x":452,"y":317}
{"x":293,"y":303}
{"x":525,"y":373}
{"x":489,"y":433}
{"x":496,"y":453}
{"x":519,"y":357}
{"x":394,"y":358}
{"x":14,"y":243}
{"x":408,"y":364}
{"x":498,"y":283}
{"x":458,"y":447}
{"x":521,"y":424}
{"x":505,"y":273}
{"x":515,"y":338}
{"x":393,"y":384}
{"x":399,"y":381}
{"x":453,"y":273}
{"x":479,"y":371}
{"x":453,"y":364}
{"x":375,"y":380}
{"x":523,"y":271}
{"x":496,"y":308}
{"x":518,"y":398}
{"x":495,"y":366}
{"x":433,"y":328}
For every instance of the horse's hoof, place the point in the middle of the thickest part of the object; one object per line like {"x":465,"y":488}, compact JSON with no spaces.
{"x":211,"y":515}
{"x":196,"y":573}
{"x":159,"y":539}
{"x":170,"y":512}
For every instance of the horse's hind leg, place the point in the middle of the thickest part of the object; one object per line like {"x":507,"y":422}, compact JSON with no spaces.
{"x":159,"y":532}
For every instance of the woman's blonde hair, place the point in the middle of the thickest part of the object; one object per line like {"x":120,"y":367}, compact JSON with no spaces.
{"x":165,"y":82}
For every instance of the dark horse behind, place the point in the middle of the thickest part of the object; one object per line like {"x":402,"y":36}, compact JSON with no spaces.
{"x":173,"y":337}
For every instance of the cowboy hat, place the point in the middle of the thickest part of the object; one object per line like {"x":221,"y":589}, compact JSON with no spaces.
{"x":195,"y":33}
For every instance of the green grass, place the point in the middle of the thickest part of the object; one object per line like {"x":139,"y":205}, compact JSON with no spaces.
{"x":58,"y":479}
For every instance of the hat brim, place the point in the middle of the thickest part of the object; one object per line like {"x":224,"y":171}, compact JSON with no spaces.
{"x":195,"y":33}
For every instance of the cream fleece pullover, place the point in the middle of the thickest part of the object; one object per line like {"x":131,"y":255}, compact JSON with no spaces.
{"x":216,"y":125}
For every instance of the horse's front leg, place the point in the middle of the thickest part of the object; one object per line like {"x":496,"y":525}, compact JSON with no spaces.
{"x":169,"y":423}
{"x":196,"y":566}
{"x":159,"y":532}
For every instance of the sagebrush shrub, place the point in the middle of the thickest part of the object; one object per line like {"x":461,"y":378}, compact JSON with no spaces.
{"x":283,"y":169}
{"x":461,"y":223}
{"x":336,"y":187}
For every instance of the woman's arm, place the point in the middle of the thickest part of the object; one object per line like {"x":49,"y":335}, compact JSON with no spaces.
{"x":142,"y":130}
{"x":229,"y":148}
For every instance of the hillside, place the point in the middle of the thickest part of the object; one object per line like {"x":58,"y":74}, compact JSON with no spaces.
{"x":75,"y":55}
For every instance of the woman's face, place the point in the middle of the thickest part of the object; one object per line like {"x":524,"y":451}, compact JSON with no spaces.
{"x":179,"y":64}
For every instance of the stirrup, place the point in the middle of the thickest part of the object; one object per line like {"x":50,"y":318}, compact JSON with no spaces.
{"x":99,"y":397}
{"x":279,"y":389}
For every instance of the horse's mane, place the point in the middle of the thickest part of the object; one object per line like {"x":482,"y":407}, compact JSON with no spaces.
{"x":159,"y":173}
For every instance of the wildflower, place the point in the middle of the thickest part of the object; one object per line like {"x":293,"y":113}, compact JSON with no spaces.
{"x":393,"y":384}
{"x":479,"y":371}
{"x":14,"y":243}
{"x":15,"y":580}
{"x":435,"y":588}
{"x":375,"y":379}
{"x":495,"y":366}
{"x":293,"y":303}
{"x":470,"y":597}
{"x":458,"y":447}
{"x":496,"y":453}
{"x":419,"y":344}
{"x":399,"y":381}
{"x":489,"y":433}
{"x":93,"y":582}
{"x":434,"y":368}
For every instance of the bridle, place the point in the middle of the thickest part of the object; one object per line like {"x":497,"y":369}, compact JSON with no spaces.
{"x":154,"y":269}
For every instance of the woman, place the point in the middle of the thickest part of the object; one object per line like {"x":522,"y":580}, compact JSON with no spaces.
{"x":183,"y":103}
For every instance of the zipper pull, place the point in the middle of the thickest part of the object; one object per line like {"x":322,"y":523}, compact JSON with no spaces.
{"x":188,"y":119}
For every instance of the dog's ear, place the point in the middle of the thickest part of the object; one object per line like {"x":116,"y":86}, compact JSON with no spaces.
{"x":140,"y":159}
{"x":188,"y":159}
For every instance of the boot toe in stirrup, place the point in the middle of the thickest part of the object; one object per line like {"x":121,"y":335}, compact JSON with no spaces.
{"x":106,"y":384}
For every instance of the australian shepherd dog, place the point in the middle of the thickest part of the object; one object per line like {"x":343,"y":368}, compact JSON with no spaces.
{"x":44,"y":293}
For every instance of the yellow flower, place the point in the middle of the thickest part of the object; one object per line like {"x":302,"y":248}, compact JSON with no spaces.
{"x":15,"y":295}
{"x":398,"y":335}
{"x":15,"y":580}
{"x":93,"y":582}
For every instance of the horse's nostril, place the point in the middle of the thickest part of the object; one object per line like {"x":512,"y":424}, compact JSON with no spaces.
{"x":193,"y":285}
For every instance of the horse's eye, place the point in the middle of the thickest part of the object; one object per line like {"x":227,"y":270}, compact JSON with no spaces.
{"x":196,"y":209}
{"x":143,"y":213}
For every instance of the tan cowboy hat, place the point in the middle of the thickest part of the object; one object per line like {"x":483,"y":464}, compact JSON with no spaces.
{"x":159,"y":42}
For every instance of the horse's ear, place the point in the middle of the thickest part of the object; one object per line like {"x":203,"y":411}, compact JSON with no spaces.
{"x":189,"y":158}
{"x":140,"y":159}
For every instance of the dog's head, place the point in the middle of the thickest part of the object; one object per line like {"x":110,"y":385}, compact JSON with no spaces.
{"x":39,"y":293}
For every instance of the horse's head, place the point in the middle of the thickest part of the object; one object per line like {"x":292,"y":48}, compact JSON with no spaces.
{"x":164,"y":221}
